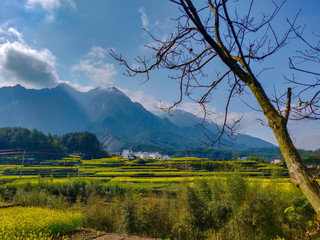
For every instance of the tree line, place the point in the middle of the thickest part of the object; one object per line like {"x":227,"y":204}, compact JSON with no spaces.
{"x":85,"y":144}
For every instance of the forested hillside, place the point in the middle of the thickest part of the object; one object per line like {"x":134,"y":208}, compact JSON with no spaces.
{"x":117,"y":121}
{"x":50,"y":146}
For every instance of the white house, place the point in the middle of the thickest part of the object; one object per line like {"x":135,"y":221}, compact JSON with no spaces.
{"x":128,"y":154}
{"x":165,"y":157}
{"x":142,"y":155}
{"x":155,"y":155}
{"x":276,"y":161}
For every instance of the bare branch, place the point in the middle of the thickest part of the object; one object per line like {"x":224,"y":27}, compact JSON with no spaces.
{"x":286,"y":116}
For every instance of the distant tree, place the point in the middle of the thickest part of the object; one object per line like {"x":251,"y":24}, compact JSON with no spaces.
{"x":48,"y":146}
{"x":209,"y":33}
{"x":85,"y":143}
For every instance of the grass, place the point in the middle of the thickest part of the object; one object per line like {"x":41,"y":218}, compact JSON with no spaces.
{"x":36,"y":223}
{"x":152,"y":180}
{"x":43,"y":171}
{"x":63,"y":180}
{"x":103,"y":161}
{"x":170,"y":173}
{"x":9,"y":166}
{"x":188,"y":158}
{"x":14,"y":178}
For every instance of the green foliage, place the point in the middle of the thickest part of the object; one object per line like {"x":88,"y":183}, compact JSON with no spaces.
{"x":220,"y":208}
{"x":85,"y":143}
{"x":44,"y":146}
{"x":45,"y":192}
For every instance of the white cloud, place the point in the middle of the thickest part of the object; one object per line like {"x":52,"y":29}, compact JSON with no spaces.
{"x":50,"y":6}
{"x":163,"y":24}
{"x":153,"y":45}
{"x":144,"y":18}
{"x":9,"y":34}
{"x":94,"y":65}
{"x":47,"y":5}
{"x":21,"y":64}
{"x":16,"y":34}
{"x":148,"y":101}
{"x":78,"y":87}
{"x":158,"y":28}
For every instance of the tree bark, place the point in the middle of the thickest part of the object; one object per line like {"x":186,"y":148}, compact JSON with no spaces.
{"x":299,"y":174}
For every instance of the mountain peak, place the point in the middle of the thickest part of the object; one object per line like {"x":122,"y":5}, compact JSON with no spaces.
{"x":18,"y":86}
{"x":108,"y":112}
{"x":65,"y":86}
{"x":109,"y":89}
{"x":112,"y":90}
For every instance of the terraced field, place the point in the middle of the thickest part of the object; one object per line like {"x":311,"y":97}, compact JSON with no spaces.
{"x":144,"y":173}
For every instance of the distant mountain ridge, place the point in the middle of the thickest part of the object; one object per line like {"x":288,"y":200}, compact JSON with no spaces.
{"x":241,"y":141}
{"x":116,"y":120}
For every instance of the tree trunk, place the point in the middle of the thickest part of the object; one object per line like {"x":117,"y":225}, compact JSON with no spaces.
{"x":299,"y":174}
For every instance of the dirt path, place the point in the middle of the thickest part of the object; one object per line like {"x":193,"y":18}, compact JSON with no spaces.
{"x":121,"y":237}
{"x":86,"y":234}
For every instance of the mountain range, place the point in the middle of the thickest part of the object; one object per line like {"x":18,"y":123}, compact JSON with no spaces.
{"x":117,"y":121}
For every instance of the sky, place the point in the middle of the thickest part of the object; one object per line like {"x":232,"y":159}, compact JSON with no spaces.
{"x":47,"y":42}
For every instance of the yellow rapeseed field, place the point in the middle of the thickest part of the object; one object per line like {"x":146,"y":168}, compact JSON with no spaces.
{"x":32,"y":223}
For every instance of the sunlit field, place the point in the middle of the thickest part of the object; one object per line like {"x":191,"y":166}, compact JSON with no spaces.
{"x":148,"y":197}
{"x":147,"y":174}
{"x":36,"y":223}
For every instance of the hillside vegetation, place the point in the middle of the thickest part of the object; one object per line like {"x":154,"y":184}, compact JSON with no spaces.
{"x":43,"y":146}
{"x":181,"y":198}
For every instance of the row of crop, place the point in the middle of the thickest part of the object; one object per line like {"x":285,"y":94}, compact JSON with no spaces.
{"x":43,"y":171}
{"x":121,"y":170}
{"x":170,"y":174}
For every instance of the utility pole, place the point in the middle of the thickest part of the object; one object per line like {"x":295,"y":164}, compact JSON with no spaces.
{"x":186,"y":167}
{"x":24,"y":153}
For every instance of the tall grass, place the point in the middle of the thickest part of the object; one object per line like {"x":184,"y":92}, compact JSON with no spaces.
{"x":229,"y":208}
{"x":226,"y":209}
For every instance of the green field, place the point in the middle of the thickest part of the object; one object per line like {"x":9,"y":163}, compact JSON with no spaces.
{"x":138,"y":171}
{"x":148,"y":197}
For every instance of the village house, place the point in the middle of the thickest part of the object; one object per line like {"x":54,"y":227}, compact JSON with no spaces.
{"x":129,"y":154}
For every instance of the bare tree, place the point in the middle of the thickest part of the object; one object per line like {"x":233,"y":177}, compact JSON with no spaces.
{"x":308,"y":104}
{"x":209,"y":34}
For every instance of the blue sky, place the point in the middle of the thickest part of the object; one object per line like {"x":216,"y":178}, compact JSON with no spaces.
{"x":46,"y":42}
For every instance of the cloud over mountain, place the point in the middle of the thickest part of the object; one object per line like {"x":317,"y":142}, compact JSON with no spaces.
{"x":21,"y":64}
{"x":94,"y":65}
